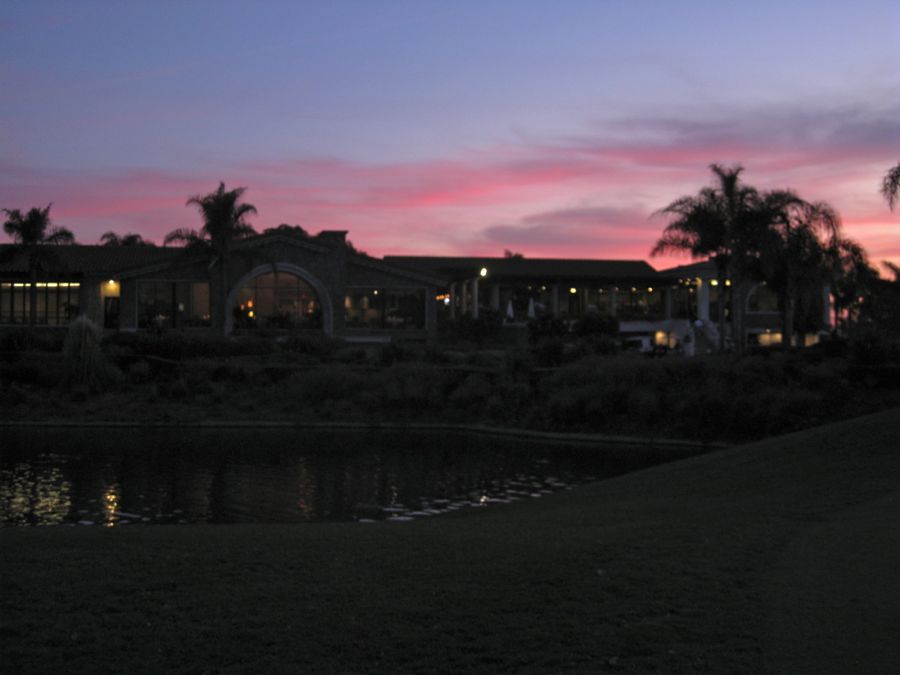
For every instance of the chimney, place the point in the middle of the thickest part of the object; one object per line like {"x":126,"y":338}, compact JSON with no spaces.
{"x":333,"y":236}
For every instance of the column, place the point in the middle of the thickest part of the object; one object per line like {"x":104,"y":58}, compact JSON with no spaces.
{"x":464,"y":298}
{"x":702,"y":300}
{"x":453,"y":299}
{"x":495,"y":296}
{"x":475,"y":298}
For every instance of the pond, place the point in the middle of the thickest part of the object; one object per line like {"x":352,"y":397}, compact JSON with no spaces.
{"x":117,"y":477}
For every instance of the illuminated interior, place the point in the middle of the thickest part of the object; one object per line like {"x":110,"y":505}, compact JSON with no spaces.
{"x":277,"y":300}
{"x":57,"y":302}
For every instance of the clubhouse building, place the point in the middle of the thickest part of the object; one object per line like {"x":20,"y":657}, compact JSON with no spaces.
{"x":282,"y":281}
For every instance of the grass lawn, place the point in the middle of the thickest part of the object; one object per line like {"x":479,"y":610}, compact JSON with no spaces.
{"x":776,"y":556}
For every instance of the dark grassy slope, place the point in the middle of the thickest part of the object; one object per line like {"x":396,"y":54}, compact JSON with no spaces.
{"x":681,"y":568}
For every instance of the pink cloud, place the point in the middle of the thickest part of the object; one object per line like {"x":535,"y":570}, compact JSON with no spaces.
{"x":588,"y":197}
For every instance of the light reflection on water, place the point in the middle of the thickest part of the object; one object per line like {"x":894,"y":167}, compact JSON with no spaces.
{"x":111,"y":477}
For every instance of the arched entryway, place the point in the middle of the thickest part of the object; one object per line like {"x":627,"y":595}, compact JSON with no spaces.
{"x":279,"y":296}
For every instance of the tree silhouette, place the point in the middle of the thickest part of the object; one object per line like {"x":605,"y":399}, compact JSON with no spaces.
{"x":223,"y":224}
{"x":284,"y":228}
{"x":890,"y":186}
{"x":852,"y":280}
{"x":713,"y":224}
{"x":34,"y":236}
{"x":130,"y":239}
{"x":795,"y":250}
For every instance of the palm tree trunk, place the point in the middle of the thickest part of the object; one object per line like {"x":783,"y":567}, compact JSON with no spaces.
{"x":787,"y":325}
{"x":223,"y":303}
{"x":738,"y":305}
{"x":32,"y":306}
{"x":720,"y":303}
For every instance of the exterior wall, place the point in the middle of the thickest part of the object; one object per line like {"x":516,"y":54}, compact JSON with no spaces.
{"x":128,"y":308}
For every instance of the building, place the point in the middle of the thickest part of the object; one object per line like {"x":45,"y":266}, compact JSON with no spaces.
{"x":283,"y":280}
{"x":274,"y":281}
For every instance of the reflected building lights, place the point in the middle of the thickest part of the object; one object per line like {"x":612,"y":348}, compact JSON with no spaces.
{"x":110,"y":505}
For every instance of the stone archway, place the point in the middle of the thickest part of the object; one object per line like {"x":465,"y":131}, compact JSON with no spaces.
{"x":323,"y":297}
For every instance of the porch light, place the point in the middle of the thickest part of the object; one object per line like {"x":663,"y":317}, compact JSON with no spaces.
{"x":111,"y":282}
{"x":447,"y":300}
{"x":483,"y":272}
{"x":728,"y":282}
{"x":573,"y":290}
{"x":714,"y":282}
{"x":250,"y":313}
{"x":375,"y":292}
{"x":650,"y":289}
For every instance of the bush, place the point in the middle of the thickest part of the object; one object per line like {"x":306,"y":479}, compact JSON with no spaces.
{"x":13,"y":396}
{"x":545,"y":327}
{"x":316,"y":344}
{"x":139,"y":372}
{"x":85,"y":363}
{"x":549,"y":352}
{"x":391,"y":353}
{"x":871,"y":349}
{"x":594,"y":323}
{"x":24,"y":373}
{"x":472,"y":393}
{"x":487,"y":326}
{"x":13,"y":340}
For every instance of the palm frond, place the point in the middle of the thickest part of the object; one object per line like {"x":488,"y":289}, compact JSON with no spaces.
{"x":59,"y":236}
{"x":890,"y":186}
{"x":183,"y":236}
{"x":110,"y":238}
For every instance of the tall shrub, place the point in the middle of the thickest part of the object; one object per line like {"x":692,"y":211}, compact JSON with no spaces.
{"x":86,"y":364}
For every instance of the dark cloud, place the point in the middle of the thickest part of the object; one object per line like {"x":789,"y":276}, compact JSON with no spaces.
{"x":586,"y":225}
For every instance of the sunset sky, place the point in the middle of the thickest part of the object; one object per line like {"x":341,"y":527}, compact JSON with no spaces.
{"x":446,"y":128}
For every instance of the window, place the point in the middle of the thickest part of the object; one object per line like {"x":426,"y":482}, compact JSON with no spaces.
{"x":385,"y":308}
{"x":173,"y":304}
{"x":57,"y":302}
{"x":762,"y":299}
{"x":277,"y":300}
{"x":639,"y":303}
{"x":684,"y":301}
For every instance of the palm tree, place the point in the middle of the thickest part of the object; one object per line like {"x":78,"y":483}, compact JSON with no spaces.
{"x":852,"y":280}
{"x":34,"y":235}
{"x":130,"y":239}
{"x":890,"y":186}
{"x":223,"y":224}
{"x":713,"y":224}
{"x":794,"y":255}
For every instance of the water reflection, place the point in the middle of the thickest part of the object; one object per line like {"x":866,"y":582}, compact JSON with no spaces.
{"x":110,"y":505}
{"x":117,"y":477}
{"x":34,"y":494}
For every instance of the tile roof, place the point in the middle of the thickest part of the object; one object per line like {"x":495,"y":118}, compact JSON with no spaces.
{"x":529,"y":268}
{"x":704,"y":268}
{"x":91,"y":260}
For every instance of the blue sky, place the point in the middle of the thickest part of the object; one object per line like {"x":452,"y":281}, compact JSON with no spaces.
{"x":555,"y":128}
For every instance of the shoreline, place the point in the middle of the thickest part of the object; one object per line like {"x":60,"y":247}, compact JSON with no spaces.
{"x":506,"y":432}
